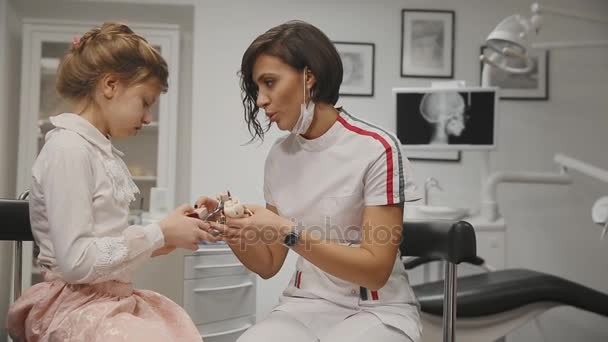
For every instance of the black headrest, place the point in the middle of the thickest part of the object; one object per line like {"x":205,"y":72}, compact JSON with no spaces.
{"x":447,"y":240}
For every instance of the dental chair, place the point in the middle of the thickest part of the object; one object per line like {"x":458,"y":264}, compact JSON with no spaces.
{"x":492,"y":304}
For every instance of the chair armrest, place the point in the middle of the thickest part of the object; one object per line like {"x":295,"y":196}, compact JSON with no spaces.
{"x":419,"y":261}
{"x":414,"y":262}
{"x":439,"y":240}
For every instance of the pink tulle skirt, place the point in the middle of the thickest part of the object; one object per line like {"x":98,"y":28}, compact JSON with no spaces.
{"x":110,"y":311}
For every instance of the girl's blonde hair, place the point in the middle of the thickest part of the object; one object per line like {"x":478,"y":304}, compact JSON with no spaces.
{"x":112,"y":48}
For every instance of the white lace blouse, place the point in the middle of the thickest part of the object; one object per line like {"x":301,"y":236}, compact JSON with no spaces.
{"x":79,"y":207}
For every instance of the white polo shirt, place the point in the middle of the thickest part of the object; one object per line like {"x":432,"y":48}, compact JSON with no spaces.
{"x":325,"y":184}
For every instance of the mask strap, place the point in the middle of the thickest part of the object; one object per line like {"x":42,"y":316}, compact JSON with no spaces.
{"x":304,"y":85}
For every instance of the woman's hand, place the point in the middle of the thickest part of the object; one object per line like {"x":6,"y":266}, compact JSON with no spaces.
{"x":263,"y":225}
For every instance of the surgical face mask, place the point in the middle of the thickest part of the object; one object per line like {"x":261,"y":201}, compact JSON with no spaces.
{"x":306,"y":113}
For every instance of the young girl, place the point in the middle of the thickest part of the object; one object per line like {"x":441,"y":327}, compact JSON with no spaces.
{"x":335,"y":190}
{"x":79,"y":205}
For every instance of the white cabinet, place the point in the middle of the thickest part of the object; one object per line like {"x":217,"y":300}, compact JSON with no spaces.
{"x":219,"y":293}
{"x":150,"y":156}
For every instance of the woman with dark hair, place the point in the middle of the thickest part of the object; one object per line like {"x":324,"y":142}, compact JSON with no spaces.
{"x":335,"y":189}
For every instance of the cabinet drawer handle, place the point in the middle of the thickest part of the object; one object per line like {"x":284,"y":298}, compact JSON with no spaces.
{"x":216,"y":266}
{"x":228,"y":332}
{"x":223,"y":288}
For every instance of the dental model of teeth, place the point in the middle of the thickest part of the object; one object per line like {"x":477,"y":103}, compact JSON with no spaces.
{"x":229,"y":207}
{"x":199,"y":213}
{"x":233,"y":208}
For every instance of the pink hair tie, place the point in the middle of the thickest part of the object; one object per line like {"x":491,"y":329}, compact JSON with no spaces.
{"x":76,"y":41}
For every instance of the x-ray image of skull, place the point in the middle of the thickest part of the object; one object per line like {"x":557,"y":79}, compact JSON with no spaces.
{"x":445,"y":112}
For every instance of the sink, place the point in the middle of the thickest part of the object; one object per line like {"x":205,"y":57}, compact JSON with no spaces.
{"x":432,"y":212}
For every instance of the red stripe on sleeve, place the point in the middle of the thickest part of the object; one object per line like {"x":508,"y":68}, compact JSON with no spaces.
{"x":389,"y":155}
{"x":298,"y":279}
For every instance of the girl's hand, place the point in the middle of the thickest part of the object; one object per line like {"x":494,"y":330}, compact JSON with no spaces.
{"x":185,"y":232}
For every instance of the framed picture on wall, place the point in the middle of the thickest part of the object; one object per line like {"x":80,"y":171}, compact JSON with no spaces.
{"x":531,"y":86}
{"x":427,"y":43}
{"x":358,"y":66}
{"x":432,"y":155}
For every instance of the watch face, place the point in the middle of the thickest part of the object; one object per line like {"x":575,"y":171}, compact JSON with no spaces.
{"x":292,"y":238}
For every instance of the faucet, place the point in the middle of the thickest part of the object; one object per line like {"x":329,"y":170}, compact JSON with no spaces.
{"x":428,"y":183}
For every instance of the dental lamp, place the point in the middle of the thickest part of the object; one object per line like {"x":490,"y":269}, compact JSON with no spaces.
{"x":508,"y":45}
{"x":507,"y":49}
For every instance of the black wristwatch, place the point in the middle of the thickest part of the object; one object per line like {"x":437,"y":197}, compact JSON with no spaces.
{"x":293,"y":237}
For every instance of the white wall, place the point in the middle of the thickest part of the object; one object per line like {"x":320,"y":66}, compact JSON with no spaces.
{"x":10,"y":49}
{"x":549,"y":227}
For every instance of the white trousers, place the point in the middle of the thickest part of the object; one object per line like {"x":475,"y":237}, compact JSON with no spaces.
{"x":281,"y":326}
